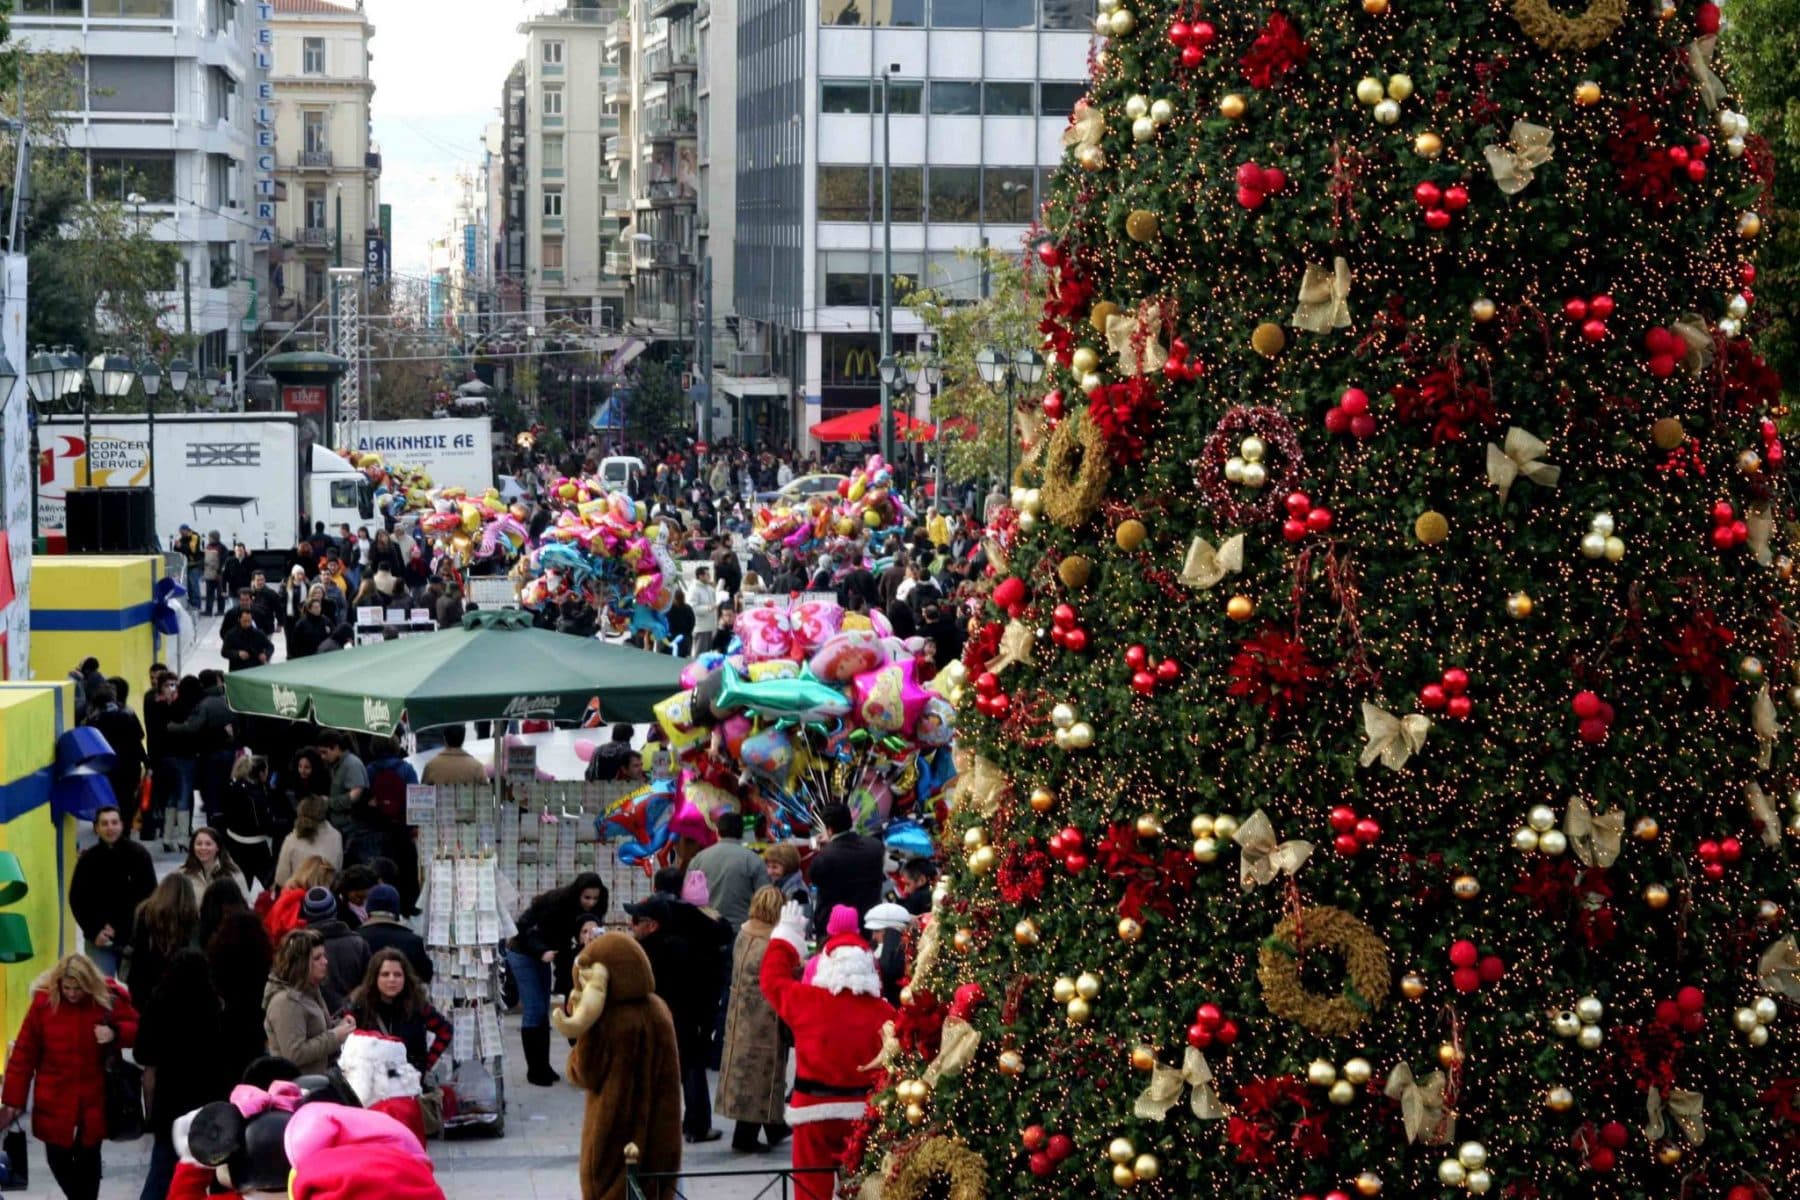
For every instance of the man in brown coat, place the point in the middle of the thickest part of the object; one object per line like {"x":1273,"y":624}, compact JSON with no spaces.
{"x":453,"y":764}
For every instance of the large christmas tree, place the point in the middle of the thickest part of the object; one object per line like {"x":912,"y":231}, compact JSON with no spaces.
{"x":1378,"y":733}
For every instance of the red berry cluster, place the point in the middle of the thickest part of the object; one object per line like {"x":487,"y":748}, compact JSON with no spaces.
{"x":1664,"y":350}
{"x":1689,"y":160}
{"x":1686,"y":1011}
{"x":1351,"y":832}
{"x":1602,"y":1144}
{"x":1728,"y":529}
{"x":1440,"y":203}
{"x":1595,"y":715}
{"x":990,"y":701}
{"x":1048,"y":1150}
{"x":1351,"y":415}
{"x":1472,"y":968}
{"x":1256,"y":184}
{"x":1179,"y":366}
{"x":1193,"y":40}
{"x":1211,"y":1028}
{"x":1053,"y":405}
{"x":1449,"y":695}
{"x":1773,"y":455}
{"x":1145,"y":676}
{"x":1009,"y":596}
{"x":1065,"y":632}
{"x":1590,"y":315}
{"x":1304,"y":517}
{"x":1716,"y":855}
{"x":1070,"y":846}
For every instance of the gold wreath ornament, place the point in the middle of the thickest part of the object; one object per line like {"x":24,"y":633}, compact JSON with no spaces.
{"x":1554,"y":31}
{"x":1366,"y":972}
{"x":1076,"y":470}
{"x":939,"y":1166}
{"x":1515,"y":161}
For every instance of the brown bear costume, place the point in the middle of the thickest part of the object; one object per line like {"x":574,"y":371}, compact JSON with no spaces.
{"x":625,"y":1057}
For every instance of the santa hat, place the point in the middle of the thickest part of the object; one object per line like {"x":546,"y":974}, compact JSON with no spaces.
{"x":344,"y":1153}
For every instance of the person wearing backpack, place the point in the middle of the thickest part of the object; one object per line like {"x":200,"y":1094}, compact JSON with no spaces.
{"x":251,"y":820}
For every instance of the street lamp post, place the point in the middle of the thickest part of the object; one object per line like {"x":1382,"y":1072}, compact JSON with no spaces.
{"x":43,"y":385}
{"x":999,"y":367}
{"x":109,"y":374}
{"x":887,"y":263}
{"x":180,"y":371}
{"x":151,"y":376}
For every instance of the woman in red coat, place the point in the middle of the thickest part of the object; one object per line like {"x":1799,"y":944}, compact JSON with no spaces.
{"x":77,"y":1018}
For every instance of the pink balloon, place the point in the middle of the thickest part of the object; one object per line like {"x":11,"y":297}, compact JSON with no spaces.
{"x":889,"y":699}
{"x":848,"y":654}
{"x":584,"y":750}
{"x":734,"y":730}
{"x":812,"y":624}
{"x":767,"y":633}
{"x":689,"y":822}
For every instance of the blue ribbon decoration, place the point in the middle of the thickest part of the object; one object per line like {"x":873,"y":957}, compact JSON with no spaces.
{"x":81,"y":787}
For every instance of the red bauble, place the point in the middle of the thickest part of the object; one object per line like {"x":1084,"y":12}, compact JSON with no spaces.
{"x":1199,"y":1036}
{"x":1465,"y":979}
{"x":1342,"y":819}
{"x":1713,"y":870}
{"x":1033,"y":1137}
{"x":1601,"y":306}
{"x":1492,"y":968}
{"x":1009,"y":591}
{"x":1708,"y":851}
{"x":1248,"y":197}
{"x":1337,"y":421}
{"x":1456,"y":681}
{"x":1354,"y":401}
{"x":1076,"y":640}
{"x":1318,"y":520}
{"x":1293,"y":529}
{"x":1730,"y":849}
{"x":1701,"y":148}
{"x":1053,"y":406}
{"x":1690,"y":999}
{"x":1463,"y":953}
{"x":1592,"y":731}
{"x":1431,"y":697}
{"x":1428,"y":194}
{"x":1694,"y":1022}
{"x":1458,"y":708}
{"x":1143,"y":683}
{"x":1602,"y":1159}
{"x":1437,"y":220}
{"x":1055,"y":845}
{"x":1696,"y":170}
{"x":1057,"y":635}
{"x":1059,"y":1147}
{"x":1614,"y":1135}
{"x":1747,"y":274}
{"x":1742,"y":1192}
{"x":1593,"y":331}
{"x":1706,"y":18}
{"x":1298,"y":504}
{"x":1000,"y":702}
{"x":1050,"y":254}
{"x":1660,"y":340}
{"x":1179,"y":33}
{"x":1362,"y":427}
{"x":1273,"y":179}
{"x":1723,"y":538}
{"x":1722,"y":512}
{"x":1204,"y":33}
{"x":1192,"y":55}
{"x":1209,"y":1014}
{"x":1063,"y":615}
{"x":1136,"y":656}
{"x":1072,"y":837}
{"x":1456,"y":197}
{"x":1668,"y":1013}
{"x":1227,"y":1033}
{"x":1346,"y":844}
{"x":1040,"y":1164}
{"x":1075,"y":863}
{"x":987,"y":683}
{"x":1168,"y":671}
{"x":1368,"y":831}
{"x":1586,"y":705}
{"x":1576,"y":309}
{"x":1677,"y":155}
{"x":1662,"y":365}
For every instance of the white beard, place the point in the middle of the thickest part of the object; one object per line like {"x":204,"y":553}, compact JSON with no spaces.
{"x":848,"y":969}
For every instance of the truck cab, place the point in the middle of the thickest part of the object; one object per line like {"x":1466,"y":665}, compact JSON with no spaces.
{"x":336,"y":492}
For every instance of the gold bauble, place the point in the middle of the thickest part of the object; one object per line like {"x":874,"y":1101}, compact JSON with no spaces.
{"x":1342,"y":1092}
{"x":1079,"y":1011}
{"x":1412,"y":985}
{"x":1559,"y":1099}
{"x":1587,"y":93}
{"x":1321,"y":1073}
{"x":1087,"y":985}
{"x":1145,"y":1167}
{"x":1359,"y":1071}
{"x":1130,"y":534}
{"x":1074,"y":571}
{"x":1482,"y":309}
{"x":1231,"y":106}
{"x":1519,"y":605}
{"x":1268,"y":339}
{"x":1646,"y":829}
{"x":1399,"y":87}
{"x":1668,"y":433}
{"x":1122,"y":22}
{"x":1432,"y":527}
{"x":1656,"y":895}
{"x":1369,"y":91}
{"x":1427,"y":144}
{"x":1387,"y":112}
{"x":1120,"y":1150}
{"x":1368,"y":1184}
{"x":1085,"y":361}
{"x":1063,"y":990}
{"x":906,"y":996}
{"x":982,"y":861}
{"x":1465,"y":887}
{"x":963,"y":941}
{"x":1011,"y":1063}
{"x":1749,"y":225}
{"x":1668,"y":1154}
{"x":1149,"y":825}
{"x":1448,"y":1054}
{"x":1090,"y":158}
{"x":1240,"y":608}
{"x":915,"y":1114}
{"x":1042,"y":800}
{"x":1026,"y":932}
{"x":1123,"y":1176}
{"x":1375,"y":8}
{"x":1101,"y":311}
{"x":1129,"y":930}
{"x":1141,"y":225}
{"x":1143,"y":1058}
{"x":974,"y":838}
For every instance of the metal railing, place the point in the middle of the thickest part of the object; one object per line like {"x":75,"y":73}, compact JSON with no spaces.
{"x":313,"y":236}
{"x":670,"y":191}
{"x":778,"y":1182}
{"x":315,"y":158}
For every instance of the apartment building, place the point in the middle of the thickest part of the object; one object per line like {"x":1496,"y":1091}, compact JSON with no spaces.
{"x":174,"y":112}
{"x":509,"y":213}
{"x":979,"y":92}
{"x":328,"y":169}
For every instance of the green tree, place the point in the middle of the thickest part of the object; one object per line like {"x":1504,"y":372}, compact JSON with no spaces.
{"x":1374,"y":745}
{"x":657,"y":407}
{"x":971,"y":416}
{"x":1762,"y":39}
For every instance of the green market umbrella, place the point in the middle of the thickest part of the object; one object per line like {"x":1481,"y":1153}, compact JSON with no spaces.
{"x":496,"y":667}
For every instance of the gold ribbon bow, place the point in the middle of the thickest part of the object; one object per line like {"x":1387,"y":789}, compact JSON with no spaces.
{"x":954,"y":1051}
{"x":1392,"y":739}
{"x":1762,"y":811}
{"x":1086,"y":125}
{"x":1692,"y":329}
{"x":1422,"y":1106}
{"x":1133,"y":339}
{"x":1206,"y":567}
{"x":1165,"y":1086}
{"x":1515,"y":161}
{"x":1699,"y":60}
{"x":980,"y":787}
{"x":1778,"y":971}
{"x":1324,"y":297}
{"x":1519,"y":456}
{"x":1686,"y":1107}
{"x":1762,"y":720}
{"x":890,"y":1049}
{"x":926,"y":958}
{"x":1594,"y":840}
{"x":1015,"y":647}
{"x":874,"y":1181}
{"x":1263,"y":857}
{"x":1759,"y":526}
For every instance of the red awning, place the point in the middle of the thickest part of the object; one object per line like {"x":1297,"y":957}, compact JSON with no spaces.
{"x":861,"y":426}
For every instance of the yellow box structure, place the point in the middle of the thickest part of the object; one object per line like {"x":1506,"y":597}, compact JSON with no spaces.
{"x":93,"y":604}
{"x":32,"y":717}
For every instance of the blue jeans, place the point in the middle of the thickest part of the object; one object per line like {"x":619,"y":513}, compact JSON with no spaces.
{"x":192,"y":583}
{"x":107,"y":959}
{"x":162,"y":1167}
{"x":533,"y":977}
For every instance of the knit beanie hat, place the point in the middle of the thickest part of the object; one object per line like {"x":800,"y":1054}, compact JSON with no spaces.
{"x":843,"y":919}
{"x":319,"y":905}
{"x":383,"y":898}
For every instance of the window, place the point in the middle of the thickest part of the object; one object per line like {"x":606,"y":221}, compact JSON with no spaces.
{"x":956,"y":14}
{"x":955,"y":99}
{"x":315,"y":206}
{"x":843,"y":193}
{"x":901,"y":14}
{"x":553,"y":102}
{"x":220,"y":180}
{"x":51,"y":8}
{"x":165,"y":9}
{"x":148,"y":173}
{"x":954,"y":276}
{"x":909,"y":197}
{"x":553,"y":54}
{"x":955,"y":194}
{"x":1058,"y":99}
{"x":553,"y":202}
{"x":846,"y":97}
{"x":312,"y":56}
{"x":315,"y":285}
{"x":1068,"y":14}
{"x":1006,"y":194}
{"x":1009,"y":14}
{"x":844,"y":12}
{"x":1006,"y":99}
{"x":907,"y":97}
{"x":315,"y":130}
{"x":552,"y":257}
{"x":219,"y":270}
{"x":553,"y":153}
{"x":131,"y":84}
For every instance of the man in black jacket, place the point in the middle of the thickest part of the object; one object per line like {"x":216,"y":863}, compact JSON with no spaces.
{"x":687,"y":982}
{"x":850,"y":869}
{"x":384,"y":929}
{"x":112,"y":877}
{"x":345,"y":948}
{"x":244,"y":644}
{"x":122,"y":731}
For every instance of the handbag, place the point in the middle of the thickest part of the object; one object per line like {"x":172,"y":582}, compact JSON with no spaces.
{"x":431,"y":1110}
{"x":124,"y":1099}
{"x":14,"y":1149}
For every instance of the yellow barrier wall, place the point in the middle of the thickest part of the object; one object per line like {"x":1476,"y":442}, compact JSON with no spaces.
{"x":32,"y":717}
{"x":96,"y":604}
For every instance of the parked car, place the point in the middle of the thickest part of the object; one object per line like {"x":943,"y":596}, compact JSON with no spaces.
{"x":803,"y":488}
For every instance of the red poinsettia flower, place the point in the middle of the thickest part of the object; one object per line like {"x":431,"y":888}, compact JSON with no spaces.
{"x":1023,"y":873}
{"x":1123,"y":412}
{"x":1274,"y":670}
{"x":1646,"y":172}
{"x":1447,"y":401}
{"x":1699,"y":650}
{"x":1748,"y":384}
{"x":1273,"y":1110}
{"x":1277,"y":50}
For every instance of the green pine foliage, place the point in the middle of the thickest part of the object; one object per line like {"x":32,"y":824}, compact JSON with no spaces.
{"x":1584,"y":682}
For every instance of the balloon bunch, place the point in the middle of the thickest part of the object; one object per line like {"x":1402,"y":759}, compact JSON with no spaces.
{"x":865,"y":506}
{"x":600,"y":547}
{"x":870,"y":499}
{"x":813,"y":706}
{"x":464,"y":529}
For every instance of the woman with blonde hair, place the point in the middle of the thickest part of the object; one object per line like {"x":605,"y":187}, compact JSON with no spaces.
{"x":753,"y":1070}
{"x":312,"y":836}
{"x":77,"y":1017}
{"x":165,"y":924}
{"x":295,"y":1018}
{"x":284,"y":914}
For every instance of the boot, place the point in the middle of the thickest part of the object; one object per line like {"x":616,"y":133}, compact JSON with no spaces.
{"x":537,"y":1057}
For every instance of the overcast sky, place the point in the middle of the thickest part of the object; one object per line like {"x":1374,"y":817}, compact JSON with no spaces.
{"x":439,"y":66}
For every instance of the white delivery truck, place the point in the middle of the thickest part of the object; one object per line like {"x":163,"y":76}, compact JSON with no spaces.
{"x":251,"y":476}
{"x":454,"y":451}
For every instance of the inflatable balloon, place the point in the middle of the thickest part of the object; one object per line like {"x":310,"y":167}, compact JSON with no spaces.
{"x":937,"y":722}
{"x":769,"y":753}
{"x":695,"y":671}
{"x":805,"y":699}
{"x":732,"y":733}
{"x":847,"y":654}
{"x":889,"y":699}
{"x":908,"y":839}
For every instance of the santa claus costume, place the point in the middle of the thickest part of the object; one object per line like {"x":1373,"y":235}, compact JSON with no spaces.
{"x":836,"y":1015}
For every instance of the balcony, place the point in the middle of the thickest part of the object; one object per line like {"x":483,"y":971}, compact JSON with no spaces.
{"x":315,"y":159}
{"x":664,"y":61}
{"x":671,"y":9}
{"x":671,"y":193}
{"x":312,"y":237}
{"x":618,"y":34}
{"x":580,"y":14}
{"x":616,"y":91}
{"x":667,"y":128}
{"x":617,"y":263}
{"x":372,"y":161}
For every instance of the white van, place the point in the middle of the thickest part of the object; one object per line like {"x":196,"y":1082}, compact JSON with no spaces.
{"x":615,"y":472}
